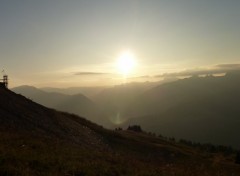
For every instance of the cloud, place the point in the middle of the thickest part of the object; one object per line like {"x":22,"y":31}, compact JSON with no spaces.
{"x":90,"y":73}
{"x":140,"y":77}
{"x":216,"y":69}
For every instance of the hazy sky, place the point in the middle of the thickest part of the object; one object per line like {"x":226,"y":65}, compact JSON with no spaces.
{"x":63,"y":43}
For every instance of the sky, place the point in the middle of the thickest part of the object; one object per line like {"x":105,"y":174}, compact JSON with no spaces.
{"x":66,"y":43}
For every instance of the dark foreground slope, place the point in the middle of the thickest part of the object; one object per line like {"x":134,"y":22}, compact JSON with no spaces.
{"x":35,"y":140}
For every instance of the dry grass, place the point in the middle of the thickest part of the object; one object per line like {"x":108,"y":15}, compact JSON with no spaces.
{"x":36,"y":155}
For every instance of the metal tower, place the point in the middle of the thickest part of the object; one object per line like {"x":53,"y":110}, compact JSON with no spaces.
{"x":5,"y":80}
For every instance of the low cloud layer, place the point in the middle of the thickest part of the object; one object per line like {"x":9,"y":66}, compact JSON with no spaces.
{"x":217,"y":69}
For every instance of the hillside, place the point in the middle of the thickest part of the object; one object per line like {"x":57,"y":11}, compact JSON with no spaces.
{"x":204,"y":109}
{"x":19,"y":114}
{"x":35,"y":140}
{"x":77,"y":104}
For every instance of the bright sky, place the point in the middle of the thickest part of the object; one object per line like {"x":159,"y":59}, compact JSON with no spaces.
{"x":64,"y":43}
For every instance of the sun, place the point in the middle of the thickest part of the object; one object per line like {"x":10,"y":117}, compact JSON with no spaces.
{"x":126,"y":62}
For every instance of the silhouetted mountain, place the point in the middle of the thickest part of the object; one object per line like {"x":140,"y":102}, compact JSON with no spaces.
{"x":51,"y":99}
{"x":35,"y":140}
{"x":204,"y":109}
{"x":78,"y":104}
{"x":201,"y":109}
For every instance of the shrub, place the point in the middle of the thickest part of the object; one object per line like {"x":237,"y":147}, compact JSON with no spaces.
{"x":135,"y":128}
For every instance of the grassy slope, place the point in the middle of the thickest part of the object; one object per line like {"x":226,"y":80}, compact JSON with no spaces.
{"x":128,"y":154}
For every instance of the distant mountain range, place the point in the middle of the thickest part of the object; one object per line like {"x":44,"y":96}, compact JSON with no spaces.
{"x":87,"y":91}
{"x":103,"y":107}
{"x":204,"y":109}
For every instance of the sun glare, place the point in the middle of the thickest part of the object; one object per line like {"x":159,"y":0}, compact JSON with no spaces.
{"x":126,"y":63}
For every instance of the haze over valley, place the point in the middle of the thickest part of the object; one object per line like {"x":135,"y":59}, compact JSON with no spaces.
{"x":202,"y":109}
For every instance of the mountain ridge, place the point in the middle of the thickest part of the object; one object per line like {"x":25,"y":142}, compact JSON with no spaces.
{"x":203,"y":109}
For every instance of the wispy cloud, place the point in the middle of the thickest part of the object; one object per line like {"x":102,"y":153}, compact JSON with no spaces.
{"x":90,"y":73}
{"x":140,"y":77}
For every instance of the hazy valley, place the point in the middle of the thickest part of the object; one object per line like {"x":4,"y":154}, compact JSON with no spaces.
{"x":202,"y":109}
